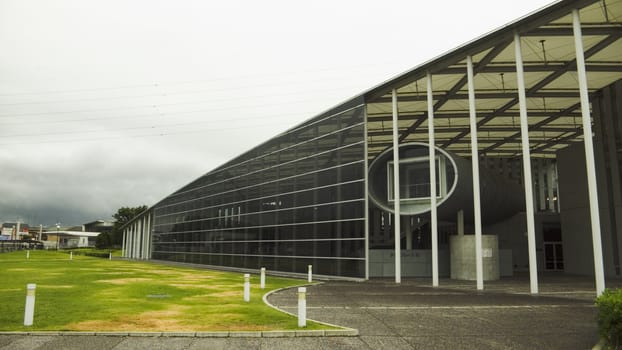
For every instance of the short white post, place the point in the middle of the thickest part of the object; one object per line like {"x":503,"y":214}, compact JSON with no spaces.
{"x":28,"y":254}
{"x":247,"y":287}
{"x":310,"y":274}
{"x":302,"y":306}
{"x":110,"y":256}
{"x":70,"y":255}
{"x":29,"y":312}
{"x":262,"y":279}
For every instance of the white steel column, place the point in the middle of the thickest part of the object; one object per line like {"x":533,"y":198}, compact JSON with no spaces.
{"x":139,"y":238}
{"x":135,"y":239}
{"x":366,"y":172}
{"x":143,"y":223}
{"x":128,"y":254}
{"x":145,"y":236}
{"x":396,"y":192}
{"x":524,"y":130}
{"x":123,"y":245}
{"x":127,"y":243}
{"x":432,"y":156}
{"x":599,"y":273}
{"x":128,"y":231}
{"x":143,"y":251}
{"x":142,"y":236}
{"x":150,"y":220}
{"x":131,"y":242}
{"x":479,"y":268}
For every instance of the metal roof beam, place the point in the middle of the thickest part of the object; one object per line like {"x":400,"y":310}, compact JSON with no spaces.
{"x":539,"y":150}
{"x":422,"y":131}
{"x":542,"y":83}
{"x":539,"y":125}
{"x":462,"y":115}
{"x":566,"y":30}
{"x":443,"y":99}
{"x":495,"y":95}
{"x":414,"y":126}
{"x":561,"y":140}
{"x":503,"y":67}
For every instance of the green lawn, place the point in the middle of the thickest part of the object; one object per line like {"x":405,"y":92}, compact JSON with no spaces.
{"x":94,"y":294}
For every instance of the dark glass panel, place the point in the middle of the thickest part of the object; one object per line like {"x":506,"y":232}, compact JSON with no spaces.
{"x":231,"y":199}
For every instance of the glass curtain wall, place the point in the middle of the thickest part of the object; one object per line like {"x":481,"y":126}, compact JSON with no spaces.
{"x":294,"y":201}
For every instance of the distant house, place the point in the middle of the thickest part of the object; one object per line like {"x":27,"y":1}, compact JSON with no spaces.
{"x":67,"y":238}
{"x":99,"y":226}
{"x":76,"y":236}
{"x":13,"y":230}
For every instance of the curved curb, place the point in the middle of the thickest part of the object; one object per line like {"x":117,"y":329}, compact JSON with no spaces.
{"x":343,"y":332}
{"x":223,"y":334}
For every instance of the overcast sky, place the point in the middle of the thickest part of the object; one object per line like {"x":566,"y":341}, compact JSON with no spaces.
{"x":114,"y":103}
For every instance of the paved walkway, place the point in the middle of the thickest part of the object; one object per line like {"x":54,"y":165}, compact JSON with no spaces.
{"x":412,"y":315}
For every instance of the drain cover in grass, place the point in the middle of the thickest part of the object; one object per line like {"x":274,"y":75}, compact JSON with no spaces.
{"x":158,"y":296}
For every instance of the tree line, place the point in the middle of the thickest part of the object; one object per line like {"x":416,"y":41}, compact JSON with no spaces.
{"x":114,"y":238}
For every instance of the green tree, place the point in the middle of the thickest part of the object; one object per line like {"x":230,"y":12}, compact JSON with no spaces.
{"x":123,"y":216}
{"x":103,"y":241}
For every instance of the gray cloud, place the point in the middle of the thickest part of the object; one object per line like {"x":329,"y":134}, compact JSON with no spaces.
{"x":113,"y":103}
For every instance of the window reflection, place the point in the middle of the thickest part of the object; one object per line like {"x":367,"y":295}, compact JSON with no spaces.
{"x":294,"y":201}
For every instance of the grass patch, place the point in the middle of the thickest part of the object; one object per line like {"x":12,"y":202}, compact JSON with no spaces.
{"x":93,"y":294}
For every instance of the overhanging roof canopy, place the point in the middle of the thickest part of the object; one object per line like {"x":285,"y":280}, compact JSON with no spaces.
{"x":551,"y":82}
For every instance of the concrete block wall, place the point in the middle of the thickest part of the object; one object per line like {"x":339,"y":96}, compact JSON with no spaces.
{"x":462,"y":257}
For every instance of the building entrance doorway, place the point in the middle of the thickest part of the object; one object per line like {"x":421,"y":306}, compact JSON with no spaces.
{"x":553,"y":248}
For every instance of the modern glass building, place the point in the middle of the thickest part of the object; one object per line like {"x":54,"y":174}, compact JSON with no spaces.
{"x":297,"y":200}
{"x":511,"y":182}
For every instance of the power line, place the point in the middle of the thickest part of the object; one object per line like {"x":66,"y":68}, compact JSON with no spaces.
{"x":212,"y":121}
{"x":245,"y":77}
{"x":158,"y":134}
{"x":187,"y":92}
{"x":147,"y":115}
{"x":156,"y":105}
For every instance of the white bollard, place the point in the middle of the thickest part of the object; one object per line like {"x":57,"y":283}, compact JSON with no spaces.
{"x":70,"y":255}
{"x":110,"y":256}
{"x":310,"y":278}
{"x":29,"y":312}
{"x":302,"y":307}
{"x":262,"y":278}
{"x":247,"y":287}
{"x":28,"y":254}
